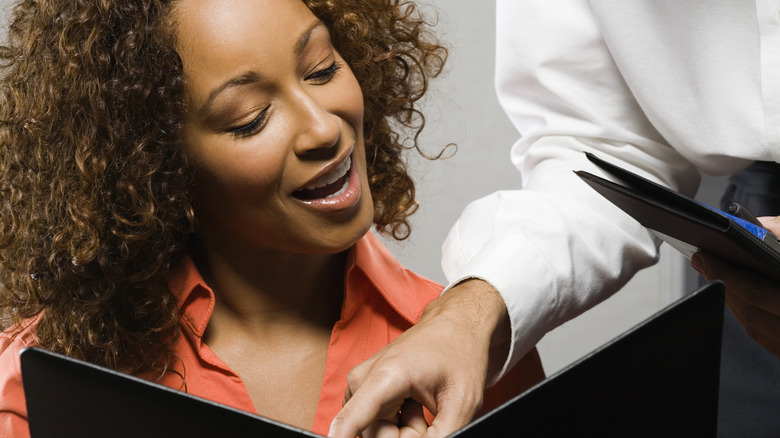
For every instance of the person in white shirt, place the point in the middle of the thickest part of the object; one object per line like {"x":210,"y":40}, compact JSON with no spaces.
{"x":666,"y":89}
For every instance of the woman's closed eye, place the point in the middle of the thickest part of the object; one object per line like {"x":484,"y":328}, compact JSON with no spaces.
{"x":250,"y":128}
{"x":326,"y":74}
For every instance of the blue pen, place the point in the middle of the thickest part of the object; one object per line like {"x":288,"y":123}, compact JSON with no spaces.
{"x":748,"y":221}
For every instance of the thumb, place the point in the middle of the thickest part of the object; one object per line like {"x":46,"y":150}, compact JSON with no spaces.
{"x":454,"y":412}
{"x":771,"y":223}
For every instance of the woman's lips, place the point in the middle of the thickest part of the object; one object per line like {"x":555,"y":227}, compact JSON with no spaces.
{"x":337,"y":190}
{"x":329,"y":185}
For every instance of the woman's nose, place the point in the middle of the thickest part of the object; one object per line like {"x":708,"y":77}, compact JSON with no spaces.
{"x":319,"y":129}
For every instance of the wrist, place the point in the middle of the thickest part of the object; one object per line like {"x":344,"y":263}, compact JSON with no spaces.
{"x":477,"y":307}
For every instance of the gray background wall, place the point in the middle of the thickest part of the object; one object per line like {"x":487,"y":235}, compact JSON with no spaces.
{"x":462,"y":109}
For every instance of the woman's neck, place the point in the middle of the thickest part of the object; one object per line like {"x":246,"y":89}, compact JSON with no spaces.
{"x":262,"y":291}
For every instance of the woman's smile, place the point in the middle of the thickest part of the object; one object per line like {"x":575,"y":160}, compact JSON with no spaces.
{"x":337,"y":189}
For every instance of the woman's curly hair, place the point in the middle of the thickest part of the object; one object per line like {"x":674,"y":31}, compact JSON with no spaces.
{"x":95,"y":202}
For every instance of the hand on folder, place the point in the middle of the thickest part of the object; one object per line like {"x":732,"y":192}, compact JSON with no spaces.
{"x":447,"y":374}
{"x":752,"y":297}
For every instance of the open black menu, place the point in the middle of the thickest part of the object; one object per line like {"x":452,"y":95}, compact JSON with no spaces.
{"x":658,"y":379}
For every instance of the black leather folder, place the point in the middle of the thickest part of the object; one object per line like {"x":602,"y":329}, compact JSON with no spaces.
{"x":658,"y":379}
{"x":683,"y":222}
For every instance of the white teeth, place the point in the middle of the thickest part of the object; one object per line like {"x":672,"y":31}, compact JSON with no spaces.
{"x":332,"y":177}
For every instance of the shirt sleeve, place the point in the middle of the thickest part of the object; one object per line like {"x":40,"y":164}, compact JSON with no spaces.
{"x":556,"y":248}
{"x":13,"y":409}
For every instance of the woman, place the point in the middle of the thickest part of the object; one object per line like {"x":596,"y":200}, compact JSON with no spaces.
{"x":187,"y":190}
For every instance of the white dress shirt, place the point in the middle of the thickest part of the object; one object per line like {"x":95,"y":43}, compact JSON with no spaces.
{"x":665,"y":88}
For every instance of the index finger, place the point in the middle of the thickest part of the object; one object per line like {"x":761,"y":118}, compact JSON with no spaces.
{"x":376,"y":399}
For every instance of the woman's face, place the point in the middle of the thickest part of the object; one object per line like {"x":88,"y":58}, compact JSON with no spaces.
{"x":274,"y":128}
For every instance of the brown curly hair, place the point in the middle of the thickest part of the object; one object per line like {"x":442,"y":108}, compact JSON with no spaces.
{"x":95,"y":202}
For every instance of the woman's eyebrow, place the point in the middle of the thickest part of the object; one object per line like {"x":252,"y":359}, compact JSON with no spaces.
{"x":246,"y":78}
{"x":252,"y":76}
{"x":303,"y":40}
